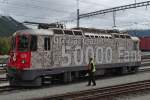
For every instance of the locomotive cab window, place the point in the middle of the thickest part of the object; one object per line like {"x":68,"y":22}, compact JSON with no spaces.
{"x":33,"y":43}
{"x":47,"y":43}
{"x":23,"y":44}
{"x":135,"y":45}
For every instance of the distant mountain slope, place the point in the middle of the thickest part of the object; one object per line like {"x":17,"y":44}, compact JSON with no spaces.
{"x":139,"y":33}
{"x":8,"y":25}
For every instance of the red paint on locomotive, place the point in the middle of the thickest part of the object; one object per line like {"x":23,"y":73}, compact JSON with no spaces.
{"x":20,"y":54}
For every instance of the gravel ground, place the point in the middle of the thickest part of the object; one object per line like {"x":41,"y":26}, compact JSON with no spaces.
{"x":22,"y":95}
{"x":141,"y":95}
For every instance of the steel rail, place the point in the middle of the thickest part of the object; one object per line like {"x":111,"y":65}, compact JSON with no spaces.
{"x":101,"y":92}
{"x":6,"y":88}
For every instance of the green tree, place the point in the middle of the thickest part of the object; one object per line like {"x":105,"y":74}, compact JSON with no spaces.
{"x":5,"y":45}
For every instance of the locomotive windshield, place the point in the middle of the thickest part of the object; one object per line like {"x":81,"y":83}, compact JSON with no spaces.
{"x":23,"y":43}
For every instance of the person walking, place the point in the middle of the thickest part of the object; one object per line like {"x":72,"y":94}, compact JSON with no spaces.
{"x":91,"y":72}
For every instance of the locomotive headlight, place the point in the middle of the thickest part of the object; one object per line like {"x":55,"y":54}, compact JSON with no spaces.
{"x":23,"y":61}
{"x":14,"y":57}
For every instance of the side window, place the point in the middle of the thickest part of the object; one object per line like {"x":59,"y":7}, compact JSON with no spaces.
{"x":46,"y":43}
{"x":135,"y":45}
{"x":33,"y":44}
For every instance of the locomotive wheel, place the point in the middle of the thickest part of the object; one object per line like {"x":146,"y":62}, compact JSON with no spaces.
{"x":134,"y":69}
{"x":13,"y":83}
{"x":124,"y":70}
{"x":67,"y":77}
{"x":37,"y":81}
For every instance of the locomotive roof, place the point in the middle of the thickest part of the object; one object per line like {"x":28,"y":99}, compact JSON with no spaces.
{"x":93,"y":30}
{"x":35,"y":32}
{"x":86,"y":31}
{"x":135,"y":38}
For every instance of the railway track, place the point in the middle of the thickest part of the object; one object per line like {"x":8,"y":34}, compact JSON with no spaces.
{"x":8,"y":89}
{"x":144,"y":63}
{"x":96,"y":94}
{"x":141,"y":69}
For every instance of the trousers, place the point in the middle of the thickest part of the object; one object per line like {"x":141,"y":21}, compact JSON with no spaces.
{"x":91,"y":78}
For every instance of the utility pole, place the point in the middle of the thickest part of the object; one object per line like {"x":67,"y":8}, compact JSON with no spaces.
{"x":114,"y":18}
{"x":78,"y":12}
{"x":135,"y":2}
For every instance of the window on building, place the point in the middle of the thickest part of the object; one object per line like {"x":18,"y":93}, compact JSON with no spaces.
{"x":47,"y":43}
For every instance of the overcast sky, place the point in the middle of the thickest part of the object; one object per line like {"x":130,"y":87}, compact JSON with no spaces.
{"x":48,"y":11}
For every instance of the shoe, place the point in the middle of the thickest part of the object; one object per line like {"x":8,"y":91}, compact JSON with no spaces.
{"x":88,"y":85}
{"x":94,"y":85}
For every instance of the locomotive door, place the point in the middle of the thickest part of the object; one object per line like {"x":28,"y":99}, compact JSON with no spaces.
{"x":41,"y":58}
{"x":47,"y":52}
{"x":37,"y":55}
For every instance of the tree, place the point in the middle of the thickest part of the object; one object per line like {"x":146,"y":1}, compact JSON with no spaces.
{"x":5,"y":45}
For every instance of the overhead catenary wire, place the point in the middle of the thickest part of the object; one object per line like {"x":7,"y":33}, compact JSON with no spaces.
{"x":141,"y":4}
{"x":34,"y":6}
